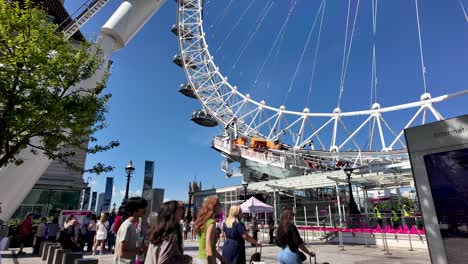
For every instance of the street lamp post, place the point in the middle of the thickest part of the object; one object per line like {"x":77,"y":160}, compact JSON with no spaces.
{"x":189,"y":213}
{"x":353,"y":209}
{"x":113,"y":210}
{"x":245,"y":185}
{"x":129,"y":169}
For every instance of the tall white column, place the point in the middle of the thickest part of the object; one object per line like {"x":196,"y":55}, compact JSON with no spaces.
{"x":295,"y":208}
{"x":305,"y":215}
{"x":317,"y":215}
{"x":275,"y":207}
{"x":339,"y":202}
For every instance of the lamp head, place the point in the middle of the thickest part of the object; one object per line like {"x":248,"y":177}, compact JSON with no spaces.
{"x":130,"y":168}
{"x":348,"y":170}
{"x":245,"y":184}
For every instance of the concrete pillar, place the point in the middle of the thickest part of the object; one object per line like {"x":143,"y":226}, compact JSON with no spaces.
{"x":275,"y":207}
{"x":58,"y":258}
{"x":86,"y":261}
{"x":295,"y":208}
{"x":69,"y":257}
{"x":339,"y":203}
{"x":52,"y":252}
{"x":366,"y":201}
{"x":317,"y":216}
{"x":358,"y":198}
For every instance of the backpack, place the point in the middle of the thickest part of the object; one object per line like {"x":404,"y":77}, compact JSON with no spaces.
{"x":65,"y":235}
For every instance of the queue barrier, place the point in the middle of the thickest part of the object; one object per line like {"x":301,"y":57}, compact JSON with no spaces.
{"x":389,"y":230}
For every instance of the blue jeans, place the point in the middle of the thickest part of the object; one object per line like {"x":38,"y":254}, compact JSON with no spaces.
{"x":286,"y":256}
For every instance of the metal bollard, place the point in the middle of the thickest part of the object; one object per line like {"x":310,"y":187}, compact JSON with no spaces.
{"x":410,"y":243}
{"x":340,"y":238}
{"x":386,"y":245}
{"x":383,"y":241}
{"x":365,"y":239}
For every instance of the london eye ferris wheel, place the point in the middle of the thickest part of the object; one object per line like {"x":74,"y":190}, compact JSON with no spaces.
{"x":359,"y":127}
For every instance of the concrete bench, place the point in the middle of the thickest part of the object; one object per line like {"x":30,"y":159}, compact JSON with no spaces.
{"x":69,"y":257}
{"x":58,"y":258}
{"x":86,"y":261}
{"x":52,"y":252}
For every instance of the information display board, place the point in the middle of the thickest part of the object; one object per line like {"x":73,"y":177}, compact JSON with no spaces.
{"x":439,"y":159}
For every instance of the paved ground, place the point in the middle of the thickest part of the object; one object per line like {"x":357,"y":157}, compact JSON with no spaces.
{"x":325,"y":253}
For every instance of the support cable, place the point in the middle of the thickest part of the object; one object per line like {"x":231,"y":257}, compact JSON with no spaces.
{"x":373,"y":88}
{"x":281,"y":32}
{"x":374,"y":80}
{"x":315,"y":55}
{"x":303,"y":53}
{"x":423,"y":67}
{"x":345,"y":64}
{"x":463,"y":9}
{"x":221,"y":17}
{"x":235,"y":26}
{"x":251,"y":37}
{"x":344,"y":53}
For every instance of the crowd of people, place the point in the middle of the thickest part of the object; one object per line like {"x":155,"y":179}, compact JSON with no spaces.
{"x":92,"y":233}
{"x":167,"y":230}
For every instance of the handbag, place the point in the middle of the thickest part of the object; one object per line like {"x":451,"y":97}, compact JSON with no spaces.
{"x":257,"y":256}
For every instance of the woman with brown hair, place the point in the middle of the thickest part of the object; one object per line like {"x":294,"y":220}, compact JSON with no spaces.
{"x":164,"y":247}
{"x":290,"y":241}
{"x":205,"y":227}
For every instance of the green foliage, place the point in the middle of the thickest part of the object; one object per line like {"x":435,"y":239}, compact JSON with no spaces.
{"x":40,"y":91}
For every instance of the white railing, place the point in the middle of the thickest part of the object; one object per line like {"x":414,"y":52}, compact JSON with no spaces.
{"x":263,"y":157}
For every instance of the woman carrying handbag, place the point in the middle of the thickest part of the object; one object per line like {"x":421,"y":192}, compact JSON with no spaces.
{"x":290,"y":241}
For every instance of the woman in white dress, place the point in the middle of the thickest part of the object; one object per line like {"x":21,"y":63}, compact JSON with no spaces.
{"x":101,"y":233}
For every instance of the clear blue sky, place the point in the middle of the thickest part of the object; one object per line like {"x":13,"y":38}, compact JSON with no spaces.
{"x":152,"y":120}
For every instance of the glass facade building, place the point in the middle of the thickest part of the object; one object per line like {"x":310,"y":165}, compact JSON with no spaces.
{"x":48,"y":202}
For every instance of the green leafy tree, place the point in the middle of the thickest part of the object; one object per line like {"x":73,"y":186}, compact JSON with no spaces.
{"x":40,"y":92}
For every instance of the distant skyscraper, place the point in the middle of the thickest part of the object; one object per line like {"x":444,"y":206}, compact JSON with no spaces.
{"x":100,"y":204}
{"x":93,"y":201}
{"x":106,"y":206}
{"x":86,"y":196}
{"x":147,"y":189}
{"x":157,"y":199}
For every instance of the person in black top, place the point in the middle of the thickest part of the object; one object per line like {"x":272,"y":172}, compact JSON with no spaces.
{"x":67,"y":238}
{"x":271,"y":227}
{"x":289,"y":240}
